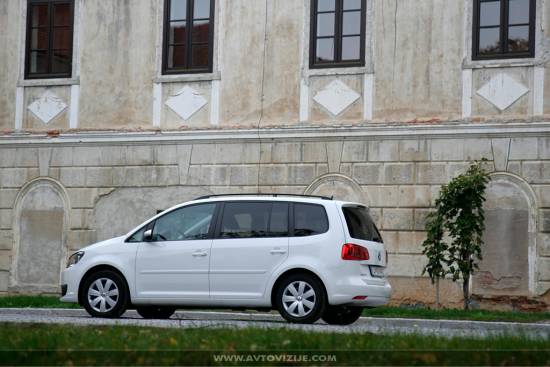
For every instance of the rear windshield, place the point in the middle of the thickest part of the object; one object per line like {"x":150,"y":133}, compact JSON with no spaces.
{"x":360,"y":224}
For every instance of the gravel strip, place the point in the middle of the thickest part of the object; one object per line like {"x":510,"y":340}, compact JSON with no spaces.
{"x":239,"y":320}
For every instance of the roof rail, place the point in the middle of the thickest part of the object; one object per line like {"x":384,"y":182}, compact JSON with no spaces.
{"x":264,"y":194}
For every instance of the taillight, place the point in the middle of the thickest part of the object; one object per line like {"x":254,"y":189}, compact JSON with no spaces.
{"x":387,"y":258}
{"x":355,"y":252}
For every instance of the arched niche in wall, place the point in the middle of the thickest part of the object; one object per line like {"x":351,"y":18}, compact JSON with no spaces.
{"x":509,"y":252}
{"x":41,"y":222}
{"x":338,"y":186}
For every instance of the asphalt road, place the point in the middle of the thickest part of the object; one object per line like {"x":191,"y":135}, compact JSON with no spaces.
{"x":212,"y":319}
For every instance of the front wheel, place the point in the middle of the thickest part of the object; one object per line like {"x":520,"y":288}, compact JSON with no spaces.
{"x":342,"y":315}
{"x":155,"y":312}
{"x":300,"y":298}
{"x":105,"y":294}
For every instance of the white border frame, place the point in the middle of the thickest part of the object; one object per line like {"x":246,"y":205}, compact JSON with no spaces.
{"x":367,"y":71}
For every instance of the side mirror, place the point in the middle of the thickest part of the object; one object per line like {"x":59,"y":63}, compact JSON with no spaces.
{"x":148,"y":235}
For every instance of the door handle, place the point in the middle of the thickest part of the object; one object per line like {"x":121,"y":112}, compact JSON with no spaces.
{"x":200,"y":253}
{"x":277,"y":251}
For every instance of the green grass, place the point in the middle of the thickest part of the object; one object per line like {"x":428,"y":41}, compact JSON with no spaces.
{"x":392,"y":312}
{"x":36,"y":344}
{"x":34,"y":302}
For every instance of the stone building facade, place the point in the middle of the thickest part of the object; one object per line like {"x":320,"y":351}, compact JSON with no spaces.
{"x":90,"y":155}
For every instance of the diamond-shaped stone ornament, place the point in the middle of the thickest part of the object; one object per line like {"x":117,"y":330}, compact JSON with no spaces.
{"x":47,"y":107}
{"x":502,"y":91}
{"x":186,"y":102}
{"x":336,"y":97}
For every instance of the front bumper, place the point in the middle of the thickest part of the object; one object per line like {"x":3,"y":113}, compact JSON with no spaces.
{"x":70,"y":280}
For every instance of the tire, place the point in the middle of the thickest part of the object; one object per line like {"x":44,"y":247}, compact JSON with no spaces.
{"x":104,"y":294}
{"x":155,"y":312}
{"x":342,"y":315}
{"x":300,"y":298}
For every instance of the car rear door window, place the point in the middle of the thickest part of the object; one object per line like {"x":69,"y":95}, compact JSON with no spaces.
{"x":360,"y":224}
{"x":309,"y":220}
{"x":254,"y":219}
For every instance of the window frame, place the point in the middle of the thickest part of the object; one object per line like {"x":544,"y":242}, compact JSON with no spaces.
{"x":165,"y":70}
{"x":290,"y":231}
{"x":338,"y":37}
{"x":28,"y":35}
{"x":503,"y":28}
{"x":293,"y":224}
{"x":151,"y":223}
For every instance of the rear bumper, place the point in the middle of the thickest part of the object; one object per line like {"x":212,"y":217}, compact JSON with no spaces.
{"x":377,"y":292}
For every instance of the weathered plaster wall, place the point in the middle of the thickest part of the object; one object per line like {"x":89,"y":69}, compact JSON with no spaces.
{"x":281,"y":78}
{"x":243,"y":60}
{"x":117,"y":63}
{"x":9,"y":61}
{"x":418,"y":59}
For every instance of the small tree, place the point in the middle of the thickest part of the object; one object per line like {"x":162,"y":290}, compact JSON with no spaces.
{"x":435,"y":249}
{"x":459,"y":212}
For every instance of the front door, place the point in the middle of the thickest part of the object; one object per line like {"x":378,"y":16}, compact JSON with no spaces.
{"x":175,"y":263}
{"x":251,"y":243}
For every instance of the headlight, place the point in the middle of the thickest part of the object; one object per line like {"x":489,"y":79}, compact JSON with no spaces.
{"x":75,"y":258}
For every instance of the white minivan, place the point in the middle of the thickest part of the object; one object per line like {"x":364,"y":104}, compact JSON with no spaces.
{"x":308,"y":257}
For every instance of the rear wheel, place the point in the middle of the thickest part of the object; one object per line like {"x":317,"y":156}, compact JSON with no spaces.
{"x":104,"y":294}
{"x":155,"y":312}
{"x":300,"y":298}
{"x":341,"y":315}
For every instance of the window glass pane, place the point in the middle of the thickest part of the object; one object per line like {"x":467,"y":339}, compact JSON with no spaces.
{"x":178,"y":9}
{"x":39,"y":39}
{"x":245,"y":220}
{"x":39,"y":15}
{"x":201,"y":9}
{"x":39,"y":62}
{"x":352,"y":4}
{"x":519,"y":12}
{"x":178,"y":32}
{"x":278,"y":226}
{"x":351,"y":48}
{"x":326,"y":5}
{"x":489,"y":13}
{"x":201,"y":31}
{"x":61,"y":39}
{"x":176,"y":57}
{"x":61,"y":62}
{"x":518,"y":38}
{"x":325,"y":24}
{"x":62,"y":15}
{"x":352,"y":23}
{"x":325,"y":50}
{"x":489,"y":41}
{"x":190,"y":223}
{"x":309,"y":220}
{"x":360,"y":224}
{"x":200,"y":56}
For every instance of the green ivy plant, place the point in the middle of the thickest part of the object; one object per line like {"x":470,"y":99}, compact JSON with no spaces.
{"x":459,"y":214}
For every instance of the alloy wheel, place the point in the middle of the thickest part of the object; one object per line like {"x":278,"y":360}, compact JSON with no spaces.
{"x":103,"y":295}
{"x":299,"y":298}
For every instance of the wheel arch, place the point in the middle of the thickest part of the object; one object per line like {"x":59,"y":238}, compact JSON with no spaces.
{"x":292,"y":271}
{"x":97,"y":268}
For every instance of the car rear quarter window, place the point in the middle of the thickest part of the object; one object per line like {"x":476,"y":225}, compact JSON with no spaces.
{"x":254,"y":219}
{"x":309,"y":220}
{"x":360,"y":224}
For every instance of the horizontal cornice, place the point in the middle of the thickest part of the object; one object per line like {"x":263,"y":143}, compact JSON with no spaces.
{"x":313,"y":133}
